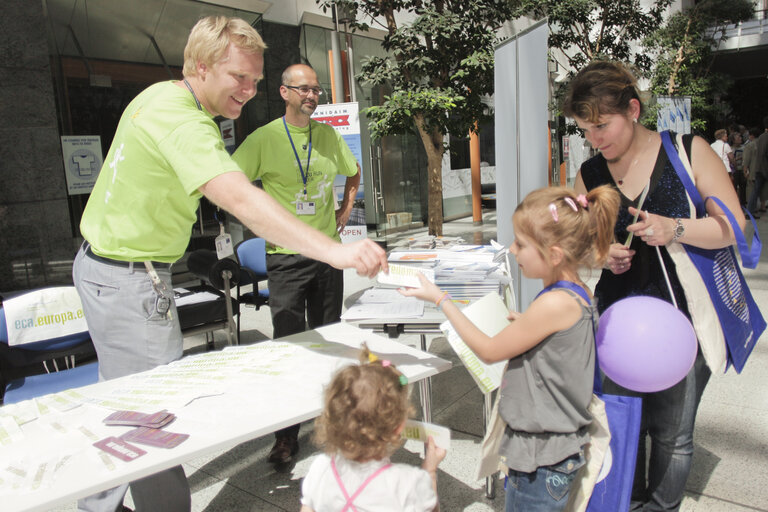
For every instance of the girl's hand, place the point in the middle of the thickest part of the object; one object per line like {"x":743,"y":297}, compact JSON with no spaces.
{"x":428,"y":291}
{"x":651,"y":228}
{"x":619,"y":258}
{"x":433,"y":457}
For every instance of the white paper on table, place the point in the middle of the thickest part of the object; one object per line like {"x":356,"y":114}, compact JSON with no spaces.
{"x":399,"y":309}
{"x":420,"y":431}
{"x":405,"y":275}
{"x":383,"y":296}
{"x":489,"y":314}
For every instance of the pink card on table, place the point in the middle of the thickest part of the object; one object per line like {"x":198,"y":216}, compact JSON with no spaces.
{"x":119,"y":448}
{"x":155,"y":437}
{"x":139,"y":419}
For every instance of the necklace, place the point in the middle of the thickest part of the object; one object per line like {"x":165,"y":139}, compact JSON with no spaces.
{"x":620,"y":181}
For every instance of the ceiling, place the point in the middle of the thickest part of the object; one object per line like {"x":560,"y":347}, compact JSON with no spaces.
{"x":123,"y":29}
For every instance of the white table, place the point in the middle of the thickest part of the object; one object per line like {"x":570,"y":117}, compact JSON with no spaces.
{"x":263,"y":387}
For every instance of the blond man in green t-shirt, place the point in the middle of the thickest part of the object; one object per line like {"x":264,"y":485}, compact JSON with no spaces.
{"x":297,"y":160}
{"x":166,"y":154}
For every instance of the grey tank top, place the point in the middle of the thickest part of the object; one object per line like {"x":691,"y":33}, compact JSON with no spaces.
{"x":545,"y":393}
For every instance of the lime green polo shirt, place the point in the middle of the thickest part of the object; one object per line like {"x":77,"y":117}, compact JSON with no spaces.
{"x":145,"y":200}
{"x":267,"y":154}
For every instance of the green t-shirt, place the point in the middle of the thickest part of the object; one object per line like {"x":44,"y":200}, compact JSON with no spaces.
{"x":267,"y":154}
{"x":145,"y":199}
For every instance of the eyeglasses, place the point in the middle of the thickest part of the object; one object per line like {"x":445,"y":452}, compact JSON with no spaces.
{"x":304,"y":90}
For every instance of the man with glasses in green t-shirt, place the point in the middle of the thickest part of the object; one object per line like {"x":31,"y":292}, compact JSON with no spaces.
{"x":297,"y":160}
{"x":166,"y":154}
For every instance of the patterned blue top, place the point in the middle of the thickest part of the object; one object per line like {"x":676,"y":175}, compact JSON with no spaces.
{"x":667,"y":197}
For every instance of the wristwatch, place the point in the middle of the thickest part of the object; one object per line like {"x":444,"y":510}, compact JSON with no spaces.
{"x":679,"y":230}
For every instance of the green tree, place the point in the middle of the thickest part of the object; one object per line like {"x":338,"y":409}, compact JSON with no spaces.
{"x":685,"y":47}
{"x":584,"y":30}
{"x":440,"y":68}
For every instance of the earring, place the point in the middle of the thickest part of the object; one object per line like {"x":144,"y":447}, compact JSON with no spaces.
{"x":634,"y":120}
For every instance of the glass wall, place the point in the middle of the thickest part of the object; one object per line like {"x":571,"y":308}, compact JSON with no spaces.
{"x":394,"y":168}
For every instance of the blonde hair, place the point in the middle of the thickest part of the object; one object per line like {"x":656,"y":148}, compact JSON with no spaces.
{"x":602,"y":87}
{"x":210,"y":37}
{"x":555,"y":216}
{"x":364,"y":407}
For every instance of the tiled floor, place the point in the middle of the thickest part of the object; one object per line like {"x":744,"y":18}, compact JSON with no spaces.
{"x":730,"y":472}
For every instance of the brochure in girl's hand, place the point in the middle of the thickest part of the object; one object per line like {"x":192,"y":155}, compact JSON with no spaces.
{"x":405,"y":275}
{"x":420,"y":431}
{"x":489,"y":314}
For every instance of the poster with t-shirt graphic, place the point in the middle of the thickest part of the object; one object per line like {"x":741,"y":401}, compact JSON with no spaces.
{"x":82,"y":162}
{"x":345,"y":119}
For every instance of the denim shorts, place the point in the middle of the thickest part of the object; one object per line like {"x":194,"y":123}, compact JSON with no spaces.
{"x":543,"y":490}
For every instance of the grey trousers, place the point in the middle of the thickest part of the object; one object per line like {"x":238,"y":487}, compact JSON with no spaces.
{"x":130,"y":336}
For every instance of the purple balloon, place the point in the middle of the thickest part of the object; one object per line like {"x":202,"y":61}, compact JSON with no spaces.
{"x":645,"y":344}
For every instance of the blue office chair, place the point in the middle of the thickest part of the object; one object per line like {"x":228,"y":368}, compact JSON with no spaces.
{"x":252,"y":255}
{"x":42,"y":367}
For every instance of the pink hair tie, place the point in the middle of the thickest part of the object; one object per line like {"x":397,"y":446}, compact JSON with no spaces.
{"x":385,"y":363}
{"x":582,"y":199}
{"x":553,"y":211}
{"x":570,"y":203}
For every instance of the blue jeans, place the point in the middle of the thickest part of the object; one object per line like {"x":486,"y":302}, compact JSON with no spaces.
{"x":668,"y":418}
{"x":544,"y":490}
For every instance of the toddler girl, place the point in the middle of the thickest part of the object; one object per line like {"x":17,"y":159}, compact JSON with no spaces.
{"x":365,"y":411}
{"x":548,"y":382}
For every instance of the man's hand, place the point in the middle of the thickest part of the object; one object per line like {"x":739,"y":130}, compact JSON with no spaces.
{"x":366,"y":256}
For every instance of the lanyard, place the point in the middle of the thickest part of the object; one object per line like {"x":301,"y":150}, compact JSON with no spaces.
{"x":570,"y":286}
{"x":197,"y":102}
{"x":296,"y":154}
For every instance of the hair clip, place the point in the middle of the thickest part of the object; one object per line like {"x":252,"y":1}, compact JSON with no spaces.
{"x":385,"y":363}
{"x":372,"y":358}
{"x":553,"y":211}
{"x":403,"y":380}
{"x":582,"y":199}
{"x":570,"y":203}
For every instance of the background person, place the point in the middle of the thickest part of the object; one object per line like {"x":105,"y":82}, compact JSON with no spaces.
{"x":548,"y":384}
{"x":724,"y":150}
{"x":366,"y":407}
{"x":760,"y":170}
{"x":167,"y":152}
{"x":604,"y":101}
{"x":737,"y":166}
{"x":297,"y":160}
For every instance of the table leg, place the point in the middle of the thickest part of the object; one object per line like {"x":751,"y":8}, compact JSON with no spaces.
{"x":425,"y":389}
{"x":490,"y":489}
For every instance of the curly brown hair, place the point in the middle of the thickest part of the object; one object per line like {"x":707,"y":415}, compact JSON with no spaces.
{"x":584,"y":234}
{"x":365,"y":406}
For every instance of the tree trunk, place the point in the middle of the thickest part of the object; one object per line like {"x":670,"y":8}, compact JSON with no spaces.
{"x":433,"y":144}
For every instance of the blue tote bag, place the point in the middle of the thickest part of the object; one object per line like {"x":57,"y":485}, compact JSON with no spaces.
{"x":739,"y":317}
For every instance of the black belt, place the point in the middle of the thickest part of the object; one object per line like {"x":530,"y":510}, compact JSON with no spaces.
{"x":120,"y":263}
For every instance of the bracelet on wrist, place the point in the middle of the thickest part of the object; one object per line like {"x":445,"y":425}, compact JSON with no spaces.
{"x":444,"y":296}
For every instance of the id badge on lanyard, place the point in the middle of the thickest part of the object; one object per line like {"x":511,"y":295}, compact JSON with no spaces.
{"x":305,"y":207}
{"x":302,"y":207}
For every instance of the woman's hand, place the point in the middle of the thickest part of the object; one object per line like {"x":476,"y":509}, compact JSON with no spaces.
{"x":651,"y":228}
{"x":428,"y":291}
{"x":619,"y":258}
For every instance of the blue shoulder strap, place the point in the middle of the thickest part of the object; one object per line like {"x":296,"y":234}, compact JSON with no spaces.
{"x":749,"y":255}
{"x":568,"y":285}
